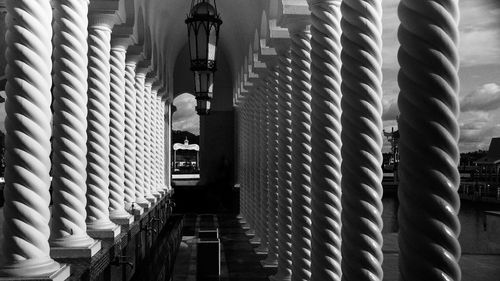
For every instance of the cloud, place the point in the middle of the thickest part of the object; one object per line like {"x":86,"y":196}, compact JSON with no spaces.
{"x":391,"y":110}
{"x":485,"y":98}
{"x":185,"y":117}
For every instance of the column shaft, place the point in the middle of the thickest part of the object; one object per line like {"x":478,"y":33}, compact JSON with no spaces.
{"x":117,"y":137}
{"x":25,"y":249}
{"x":284,"y":169}
{"x":98,"y":125}
{"x":325,"y":140}
{"x":69,"y":145}
{"x":272,"y":160}
{"x":141,"y":190}
{"x":362,"y":142}
{"x":301,"y":151}
{"x":429,"y":106}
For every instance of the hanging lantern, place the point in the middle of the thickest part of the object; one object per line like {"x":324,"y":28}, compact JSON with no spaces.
{"x":203,"y":24}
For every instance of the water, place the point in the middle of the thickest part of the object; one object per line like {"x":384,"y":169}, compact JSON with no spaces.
{"x":480,"y":234}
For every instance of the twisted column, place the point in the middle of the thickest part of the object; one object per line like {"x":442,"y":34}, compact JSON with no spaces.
{"x":362,"y":142}
{"x":155,"y":148}
{"x":148,"y":187}
{"x":68,"y":229}
{"x":98,"y":125}
{"x":252,"y":163}
{"x":284,"y":271}
{"x":428,"y":79}
{"x":132,"y":194}
{"x":325,"y":140}
{"x":262,"y":166}
{"x":301,"y":150}
{"x":25,"y":249}
{"x":141,"y":190}
{"x":117,"y":137}
{"x":272,"y":160}
{"x":167,"y":145}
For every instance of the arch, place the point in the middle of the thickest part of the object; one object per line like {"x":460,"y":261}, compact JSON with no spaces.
{"x":147,"y":47}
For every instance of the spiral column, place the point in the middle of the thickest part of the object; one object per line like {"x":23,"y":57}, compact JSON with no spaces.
{"x":68,"y":230}
{"x":25,"y":249}
{"x":99,"y":40}
{"x":272,"y":162}
{"x":325,"y":140}
{"x":300,"y":36}
{"x":117,"y":137}
{"x":141,"y":190}
{"x":362,"y":142}
{"x":284,"y":271}
{"x":148,"y":187}
{"x":429,"y":131}
{"x":262,"y":169}
{"x":148,"y":141}
{"x":252,"y":175}
{"x":167,"y":145}
{"x":133,"y":197}
{"x":156,"y":117}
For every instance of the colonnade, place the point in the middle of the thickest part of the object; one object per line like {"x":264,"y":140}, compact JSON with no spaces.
{"x":310,"y":136}
{"x":86,"y":119}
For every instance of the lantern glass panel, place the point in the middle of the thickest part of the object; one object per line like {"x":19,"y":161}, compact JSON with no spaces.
{"x":192,"y":40}
{"x":212,"y":41}
{"x":202,"y":42}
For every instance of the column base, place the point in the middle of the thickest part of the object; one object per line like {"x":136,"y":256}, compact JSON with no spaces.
{"x":110,"y":233}
{"x":261,"y":250}
{"x":280,"y":277}
{"x":75,"y":252}
{"x":123,"y":219}
{"x":151,"y":199}
{"x":14,"y":273}
{"x":250,"y":232}
{"x":255,"y":240}
{"x":269,"y":263}
{"x":157,"y":195}
{"x":245,"y":226}
{"x":145,"y":205}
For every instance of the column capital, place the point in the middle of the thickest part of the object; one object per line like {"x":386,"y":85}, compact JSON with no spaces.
{"x":328,"y":2}
{"x":104,"y":14}
{"x":297,"y":23}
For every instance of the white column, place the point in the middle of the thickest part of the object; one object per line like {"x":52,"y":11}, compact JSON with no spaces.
{"x":262,"y":167}
{"x":68,"y":235}
{"x":252,"y":174}
{"x":325,"y":140}
{"x":134,"y":199}
{"x":156,"y":135}
{"x":301,"y":149}
{"x":148,"y":156}
{"x":143,"y":191}
{"x":117,"y":136}
{"x":167,"y":141}
{"x":272,"y":160}
{"x":429,"y":106}
{"x":362,"y":141}
{"x":25,"y":247}
{"x":284,"y":169}
{"x":98,"y":223}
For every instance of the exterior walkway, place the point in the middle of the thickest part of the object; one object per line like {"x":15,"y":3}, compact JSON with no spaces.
{"x":239,"y":261}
